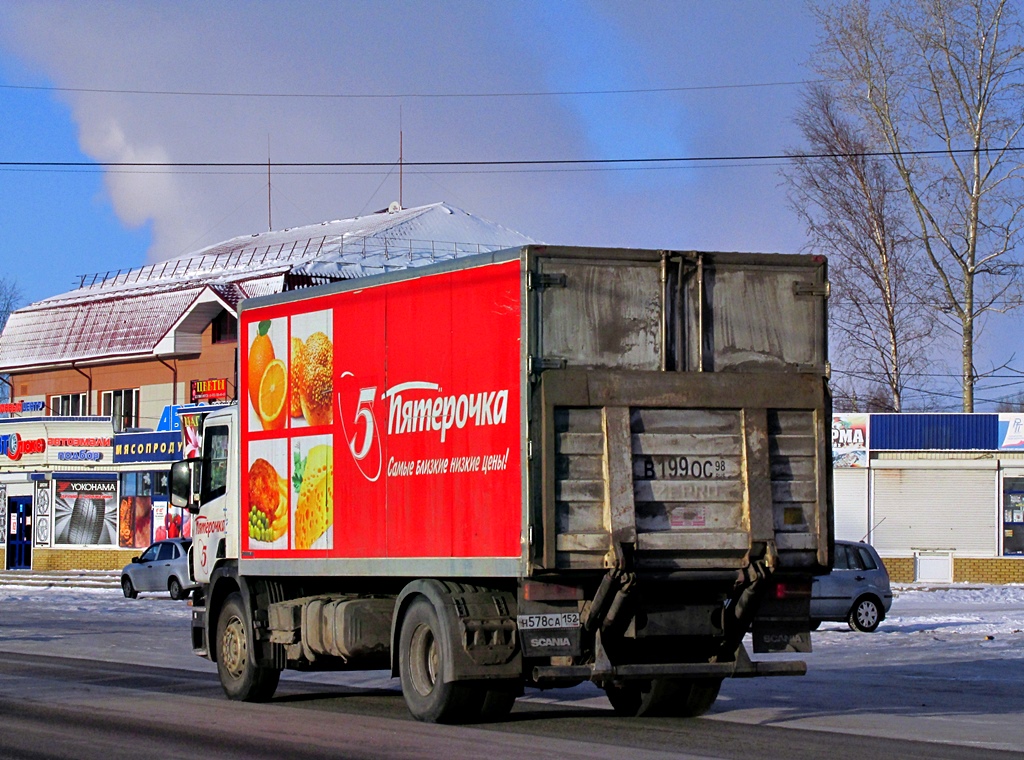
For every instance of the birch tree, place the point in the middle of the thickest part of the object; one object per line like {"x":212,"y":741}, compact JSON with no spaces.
{"x":854,"y":210}
{"x":938,"y":85}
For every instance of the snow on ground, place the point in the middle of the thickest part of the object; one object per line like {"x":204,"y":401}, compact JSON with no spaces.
{"x":925,"y":624}
{"x":941,"y":618}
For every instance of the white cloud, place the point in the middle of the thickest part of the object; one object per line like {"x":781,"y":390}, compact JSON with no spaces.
{"x":414,"y":47}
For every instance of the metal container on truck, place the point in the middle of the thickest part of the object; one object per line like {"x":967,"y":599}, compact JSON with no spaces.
{"x":539,"y":466}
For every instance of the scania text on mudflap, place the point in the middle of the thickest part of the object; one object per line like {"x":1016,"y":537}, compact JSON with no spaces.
{"x":540,"y":467}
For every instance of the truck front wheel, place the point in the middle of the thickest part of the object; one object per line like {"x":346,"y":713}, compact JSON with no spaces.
{"x":421,"y":666}
{"x":241,"y":676}
{"x":664,"y":697}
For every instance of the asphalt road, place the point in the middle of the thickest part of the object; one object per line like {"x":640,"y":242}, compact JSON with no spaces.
{"x":77,"y":681}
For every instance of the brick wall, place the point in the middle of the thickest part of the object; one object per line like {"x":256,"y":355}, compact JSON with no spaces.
{"x":901,"y":569}
{"x":989,"y":570}
{"x":82,"y":559}
{"x":965,"y":570}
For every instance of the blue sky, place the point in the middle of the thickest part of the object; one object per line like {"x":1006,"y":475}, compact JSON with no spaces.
{"x":461,"y":80}
{"x":62,"y":221}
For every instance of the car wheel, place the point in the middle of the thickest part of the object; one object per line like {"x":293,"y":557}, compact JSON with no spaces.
{"x":128,"y":588}
{"x":421,"y":664}
{"x":865,"y":615}
{"x":175,"y":590}
{"x":815,"y":625}
{"x":242,"y":677}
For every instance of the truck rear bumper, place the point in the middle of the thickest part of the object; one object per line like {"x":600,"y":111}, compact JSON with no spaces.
{"x":742,"y":667}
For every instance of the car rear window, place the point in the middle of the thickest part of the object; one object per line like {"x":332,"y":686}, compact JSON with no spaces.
{"x":866,"y":559}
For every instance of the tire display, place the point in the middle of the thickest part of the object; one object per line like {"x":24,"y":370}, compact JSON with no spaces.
{"x":86,"y":523}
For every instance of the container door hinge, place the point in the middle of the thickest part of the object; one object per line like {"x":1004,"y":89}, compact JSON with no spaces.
{"x":539,"y":364}
{"x":821,"y":290}
{"x":541,"y":280}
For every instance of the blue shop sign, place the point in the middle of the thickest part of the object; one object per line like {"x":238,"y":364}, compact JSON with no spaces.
{"x":147,"y":447}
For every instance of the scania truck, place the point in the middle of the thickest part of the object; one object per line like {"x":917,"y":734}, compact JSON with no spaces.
{"x":541,"y":466}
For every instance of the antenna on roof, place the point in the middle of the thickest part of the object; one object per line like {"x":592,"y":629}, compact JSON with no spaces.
{"x":270,"y":219}
{"x":400,"y":203}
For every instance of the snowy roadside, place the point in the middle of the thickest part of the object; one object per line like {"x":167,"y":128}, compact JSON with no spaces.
{"x":931,"y":623}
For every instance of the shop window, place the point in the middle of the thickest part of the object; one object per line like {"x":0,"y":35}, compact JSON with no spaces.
{"x":69,"y":405}
{"x":225,"y":328}
{"x":1013,"y":516}
{"x":122,"y":407}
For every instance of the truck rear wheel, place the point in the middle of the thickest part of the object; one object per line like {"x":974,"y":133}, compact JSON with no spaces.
{"x":241,"y":676}
{"x":421,"y":666}
{"x":664,"y":697}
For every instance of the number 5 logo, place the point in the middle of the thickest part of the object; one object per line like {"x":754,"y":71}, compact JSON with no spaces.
{"x":363,"y":416}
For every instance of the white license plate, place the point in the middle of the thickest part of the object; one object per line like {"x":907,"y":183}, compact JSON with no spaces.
{"x":550,"y":620}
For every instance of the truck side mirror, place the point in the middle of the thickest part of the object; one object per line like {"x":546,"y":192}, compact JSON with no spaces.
{"x":182,"y":478}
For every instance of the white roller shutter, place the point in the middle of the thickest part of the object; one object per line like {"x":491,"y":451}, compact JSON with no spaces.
{"x":850,"y":497}
{"x":935,"y":509}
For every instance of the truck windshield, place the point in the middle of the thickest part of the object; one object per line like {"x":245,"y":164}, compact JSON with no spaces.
{"x":215,"y":463}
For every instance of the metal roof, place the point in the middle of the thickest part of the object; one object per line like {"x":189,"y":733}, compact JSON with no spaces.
{"x":144,"y":311}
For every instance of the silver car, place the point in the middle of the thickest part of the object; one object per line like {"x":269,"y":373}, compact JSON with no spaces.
{"x":857,"y":590}
{"x":162,"y":567}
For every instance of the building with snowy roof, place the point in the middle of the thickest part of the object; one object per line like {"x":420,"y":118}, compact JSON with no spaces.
{"x":106,"y":360}
{"x":166,"y":324}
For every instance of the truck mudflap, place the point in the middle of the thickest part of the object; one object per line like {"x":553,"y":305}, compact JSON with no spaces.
{"x":603,"y":671}
{"x":200,"y":646}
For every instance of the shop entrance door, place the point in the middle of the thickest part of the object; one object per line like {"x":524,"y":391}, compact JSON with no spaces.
{"x":19,"y":533}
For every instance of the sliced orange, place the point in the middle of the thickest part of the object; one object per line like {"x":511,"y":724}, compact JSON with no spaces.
{"x":273,"y":395}
{"x":261,"y":353}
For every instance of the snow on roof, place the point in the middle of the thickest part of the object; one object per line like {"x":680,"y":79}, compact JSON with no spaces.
{"x":136,"y":312}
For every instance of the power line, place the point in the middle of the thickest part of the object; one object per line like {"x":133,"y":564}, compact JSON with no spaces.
{"x":855,"y":373}
{"x":96,"y":169}
{"x":785,"y":157}
{"x":404,"y":95}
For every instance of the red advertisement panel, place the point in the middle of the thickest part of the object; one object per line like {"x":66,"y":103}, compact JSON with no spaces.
{"x":385,"y":422}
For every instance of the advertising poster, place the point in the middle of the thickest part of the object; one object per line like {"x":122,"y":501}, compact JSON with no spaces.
{"x":135,"y":514}
{"x":385,"y":422}
{"x":1011,"y":431}
{"x":191,"y":424}
{"x":850,"y":440}
{"x":170,"y":522}
{"x":85,"y":512}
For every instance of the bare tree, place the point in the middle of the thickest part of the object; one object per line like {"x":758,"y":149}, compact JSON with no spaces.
{"x":854,"y":209}
{"x":938,"y":83}
{"x":10,"y":299}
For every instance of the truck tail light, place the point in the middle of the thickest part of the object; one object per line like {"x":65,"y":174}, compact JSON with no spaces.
{"x":550,"y":592}
{"x":791,"y":589}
